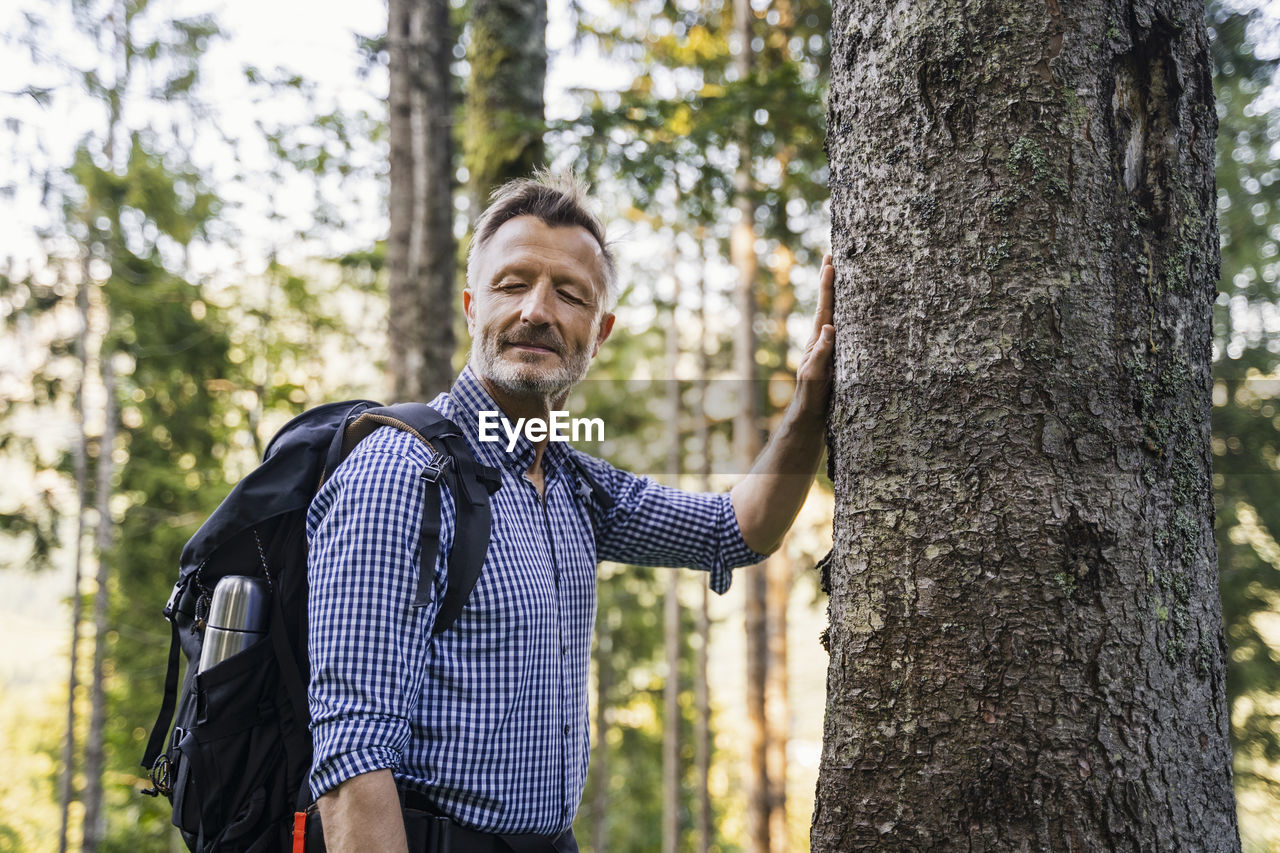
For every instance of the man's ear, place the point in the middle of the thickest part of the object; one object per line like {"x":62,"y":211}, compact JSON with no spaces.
{"x":468,"y":311}
{"x":606,"y":326}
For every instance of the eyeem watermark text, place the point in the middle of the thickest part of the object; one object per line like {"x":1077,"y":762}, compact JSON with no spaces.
{"x":559,"y":427}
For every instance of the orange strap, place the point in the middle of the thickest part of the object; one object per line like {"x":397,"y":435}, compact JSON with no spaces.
{"x":299,"y":832}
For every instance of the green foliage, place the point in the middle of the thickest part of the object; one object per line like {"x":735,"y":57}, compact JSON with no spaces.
{"x":686,"y":122}
{"x":190,"y":359}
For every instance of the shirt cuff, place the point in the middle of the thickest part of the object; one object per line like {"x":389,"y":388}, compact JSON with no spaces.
{"x":351,"y":746}
{"x":733,"y":551}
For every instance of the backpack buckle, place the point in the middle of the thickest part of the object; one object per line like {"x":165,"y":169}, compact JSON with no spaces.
{"x":171,"y":605}
{"x":435,"y":467}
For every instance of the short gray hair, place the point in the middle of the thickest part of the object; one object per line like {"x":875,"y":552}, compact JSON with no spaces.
{"x":558,"y":199}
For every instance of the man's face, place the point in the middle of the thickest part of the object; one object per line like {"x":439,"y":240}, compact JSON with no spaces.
{"x":537,"y":315}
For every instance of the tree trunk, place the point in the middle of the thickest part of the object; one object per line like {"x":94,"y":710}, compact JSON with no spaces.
{"x":778,"y":584}
{"x":80,"y":464}
{"x":95,"y":819}
{"x":600,"y":754}
{"x":671,"y":774}
{"x":702,"y":728}
{"x":777,"y":709}
{"x":421,"y":252}
{"x":505,"y":108}
{"x":1026,"y":643}
{"x":701,"y":688}
{"x":747,"y":445}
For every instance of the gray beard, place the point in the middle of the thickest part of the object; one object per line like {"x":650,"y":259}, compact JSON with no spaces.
{"x":524,"y":379}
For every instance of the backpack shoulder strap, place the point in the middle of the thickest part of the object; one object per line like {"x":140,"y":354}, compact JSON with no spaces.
{"x":419,"y":419}
{"x":471,"y":483}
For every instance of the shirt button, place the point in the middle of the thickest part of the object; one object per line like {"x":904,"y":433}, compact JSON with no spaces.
{"x":563,"y":650}
{"x":566,"y":730}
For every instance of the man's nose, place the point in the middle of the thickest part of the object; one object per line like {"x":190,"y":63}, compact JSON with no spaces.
{"x":536,"y":309}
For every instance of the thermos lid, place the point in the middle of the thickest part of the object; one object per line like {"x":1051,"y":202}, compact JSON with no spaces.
{"x":239,"y":604}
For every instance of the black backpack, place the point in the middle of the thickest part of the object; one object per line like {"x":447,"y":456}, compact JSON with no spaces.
{"x":238,"y":759}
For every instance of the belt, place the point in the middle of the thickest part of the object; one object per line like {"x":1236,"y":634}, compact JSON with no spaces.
{"x":432,"y":833}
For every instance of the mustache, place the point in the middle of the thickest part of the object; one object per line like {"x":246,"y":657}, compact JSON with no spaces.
{"x":534,"y":337}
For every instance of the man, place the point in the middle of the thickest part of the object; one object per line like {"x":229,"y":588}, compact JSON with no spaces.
{"x":487,"y":722}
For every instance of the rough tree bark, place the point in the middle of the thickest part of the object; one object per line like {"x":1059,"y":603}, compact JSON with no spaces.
{"x":1026,"y":643}
{"x":505,"y":108}
{"x":421,"y":251}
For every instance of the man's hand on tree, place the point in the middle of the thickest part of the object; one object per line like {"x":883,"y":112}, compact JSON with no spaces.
{"x":813,"y":378}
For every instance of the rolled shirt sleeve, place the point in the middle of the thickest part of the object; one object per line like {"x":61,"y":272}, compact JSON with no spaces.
{"x":367,"y":644}
{"x":655,"y":525}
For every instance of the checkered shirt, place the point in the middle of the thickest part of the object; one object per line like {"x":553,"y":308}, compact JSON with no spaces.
{"x":488,"y":719}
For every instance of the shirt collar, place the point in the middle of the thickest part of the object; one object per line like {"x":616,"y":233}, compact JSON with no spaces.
{"x":469,"y":399}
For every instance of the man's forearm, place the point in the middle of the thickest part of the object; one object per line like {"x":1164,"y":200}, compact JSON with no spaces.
{"x":363,"y":814}
{"x":768,"y":499}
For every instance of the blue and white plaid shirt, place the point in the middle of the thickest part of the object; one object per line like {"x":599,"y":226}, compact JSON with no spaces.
{"x":488,"y":719}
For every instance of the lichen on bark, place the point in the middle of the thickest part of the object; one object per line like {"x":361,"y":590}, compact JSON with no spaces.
{"x":504,"y":121}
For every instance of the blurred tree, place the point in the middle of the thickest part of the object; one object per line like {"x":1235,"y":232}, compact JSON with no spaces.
{"x":131,"y":213}
{"x":701,"y":673}
{"x":420,"y":245}
{"x":1245,"y":404}
{"x":747,"y":440}
{"x":149,"y":345}
{"x":136,"y":211}
{"x":673,"y":639}
{"x":1023,"y":594}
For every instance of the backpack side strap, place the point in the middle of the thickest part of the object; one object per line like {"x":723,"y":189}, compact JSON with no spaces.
{"x":161,"y":728}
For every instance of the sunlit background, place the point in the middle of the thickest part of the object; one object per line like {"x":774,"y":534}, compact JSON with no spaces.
{"x":245,"y":156}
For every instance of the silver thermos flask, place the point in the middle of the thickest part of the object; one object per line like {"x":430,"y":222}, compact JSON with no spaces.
{"x":237,"y":618}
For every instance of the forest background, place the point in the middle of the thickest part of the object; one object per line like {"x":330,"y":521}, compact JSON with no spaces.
{"x":193,"y":210}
